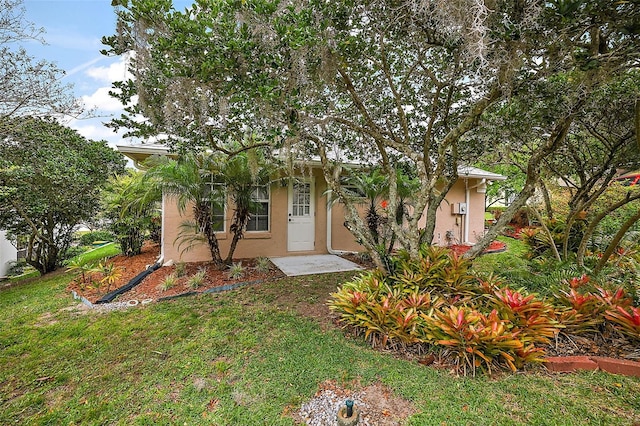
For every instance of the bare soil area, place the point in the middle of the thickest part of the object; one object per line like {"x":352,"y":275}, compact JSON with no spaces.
{"x":152,"y":286}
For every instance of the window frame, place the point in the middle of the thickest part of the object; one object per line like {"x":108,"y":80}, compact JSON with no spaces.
{"x":254,"y":209}
{"x":211,"y":184}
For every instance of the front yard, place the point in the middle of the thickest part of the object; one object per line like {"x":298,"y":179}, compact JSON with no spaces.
{"x":248,"y":357}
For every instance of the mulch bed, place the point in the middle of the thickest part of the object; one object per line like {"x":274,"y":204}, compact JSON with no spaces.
{"x":494,"y":247}
{"x":150,"y":287}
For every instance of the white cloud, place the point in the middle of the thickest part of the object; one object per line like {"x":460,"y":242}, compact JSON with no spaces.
{"x":102,"y":101}
{"x":115,"y":71}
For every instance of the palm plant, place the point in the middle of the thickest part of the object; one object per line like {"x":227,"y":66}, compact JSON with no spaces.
{"x":188,"y":180}
{"x":204,"y":180}
{"x":132,"y":206}
{"x":375,"y":187}
{"x":240,"y":175}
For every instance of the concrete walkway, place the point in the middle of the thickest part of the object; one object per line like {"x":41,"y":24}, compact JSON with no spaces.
{"x":315,"y":264}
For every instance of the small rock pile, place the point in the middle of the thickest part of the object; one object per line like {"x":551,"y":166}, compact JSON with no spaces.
{"x":323,"y":408}
{"x":377,"y":406}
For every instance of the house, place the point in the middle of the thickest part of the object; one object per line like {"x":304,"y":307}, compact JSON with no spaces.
{"x":295,"y":216}
{"x":8,"y":253}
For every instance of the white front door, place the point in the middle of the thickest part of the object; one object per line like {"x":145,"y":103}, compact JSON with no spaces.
{"x":302,"y":223}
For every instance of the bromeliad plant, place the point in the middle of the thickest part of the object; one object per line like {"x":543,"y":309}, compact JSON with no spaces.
{"x":474,"y":339}
{"x":480,"y":327}
{"x":627,"y":320}
{"x":385,"y":314}
{"x":533,"y":319}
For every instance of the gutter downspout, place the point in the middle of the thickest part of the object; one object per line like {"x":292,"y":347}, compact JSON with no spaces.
{"x":162,"y":230}
{"x":467,"y":200}
{"x":330,"y":249}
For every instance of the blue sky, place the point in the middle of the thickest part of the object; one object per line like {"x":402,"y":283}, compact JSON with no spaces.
{"x":73,"y":29}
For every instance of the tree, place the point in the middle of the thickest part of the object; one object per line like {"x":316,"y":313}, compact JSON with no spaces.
{"x":598,"y":143}
{"x":203,"y":182}
{"x":388,"y":82}
{"x":28,"y":87}
{"x":50,"y":178}
{"x":133,"y":209}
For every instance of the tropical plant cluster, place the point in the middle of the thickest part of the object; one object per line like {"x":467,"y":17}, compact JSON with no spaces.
{"x":436,"y":304}
{"x":95,"y":274}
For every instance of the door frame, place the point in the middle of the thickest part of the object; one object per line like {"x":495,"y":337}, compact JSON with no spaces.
{"x":312,"y":212}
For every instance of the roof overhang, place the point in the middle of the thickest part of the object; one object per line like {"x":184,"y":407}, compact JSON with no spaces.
{"x":140,"y":152}
{"x":465,"y":172}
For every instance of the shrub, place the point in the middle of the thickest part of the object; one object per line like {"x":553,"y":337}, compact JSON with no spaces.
{"x":16,"y":267}
{"x":482,"y":326}
{"x":110,"y":274}
{"x":263,"y":265}
{"x":579,"y":313}
{"x":168,"y":282}
{"x":627,"y":320}
{"x":197,"y":279}
{"x":475,"y":340}
{"x":436,"y":268}
{"x":88,"y":238}
{"x":181,"y":269}
{"x":70,"y":253}
{"x":386,"y":314}
{"x":530,"y":317}
{"x":236,"y":271}
{"x":84,"y":270}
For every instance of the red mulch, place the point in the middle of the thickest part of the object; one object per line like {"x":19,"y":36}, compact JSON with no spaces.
{"x":149,"y":288}
{"x":515,"y":231}
{"x":494,"y":247}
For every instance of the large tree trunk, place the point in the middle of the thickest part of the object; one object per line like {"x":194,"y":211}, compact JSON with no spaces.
{"x":552,"y":143}
{"x":616,"y":240}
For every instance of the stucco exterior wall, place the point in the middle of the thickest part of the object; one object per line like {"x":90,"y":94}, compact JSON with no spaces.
{"x":448,"y":223}
{"x":274,"y":242}
{"x":255,"y":244}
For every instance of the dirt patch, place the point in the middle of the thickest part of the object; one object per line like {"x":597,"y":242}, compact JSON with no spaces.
{"x":376,"y":403}
{"x":152,"y":286}
{"x":128,"y":266}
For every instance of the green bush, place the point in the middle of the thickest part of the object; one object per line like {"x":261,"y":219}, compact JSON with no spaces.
{"x":16,"y":267}
{"x":435,"y":302}
{"x":88,"y":238}
{"x":70,"y":253}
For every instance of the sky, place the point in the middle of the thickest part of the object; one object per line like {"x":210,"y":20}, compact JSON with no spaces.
{"x":72,"y":31}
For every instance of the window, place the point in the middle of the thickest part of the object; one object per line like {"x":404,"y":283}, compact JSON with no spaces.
{"x":215,"y":196}
{"x":259,"y":220}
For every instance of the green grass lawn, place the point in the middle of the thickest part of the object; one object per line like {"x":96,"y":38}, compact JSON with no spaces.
{"x":247,"y":357}
{"x":106,"y":250}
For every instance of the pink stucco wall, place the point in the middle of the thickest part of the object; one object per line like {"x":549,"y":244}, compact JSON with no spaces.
{"x":274,"y":242}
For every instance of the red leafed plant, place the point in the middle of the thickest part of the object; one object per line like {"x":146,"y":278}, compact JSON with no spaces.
{"x":615,"y":298}
{"x":532,"y":317}
{"x":627,"y":320}
{"x":577,"y":282}
{"x":475,"y":340}
{"x":582,"y":313}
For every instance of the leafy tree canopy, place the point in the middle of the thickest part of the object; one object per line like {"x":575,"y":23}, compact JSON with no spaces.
{"x":50,"y":178}
{"x":28,"y":86}
{"x":390,"y":82}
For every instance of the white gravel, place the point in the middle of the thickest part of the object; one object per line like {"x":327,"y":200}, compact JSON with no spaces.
{"x":323,"y":408}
